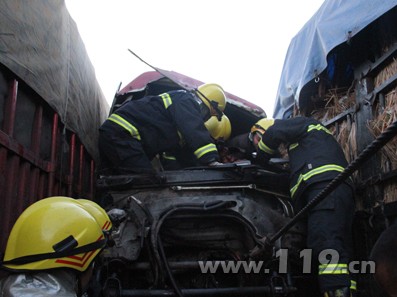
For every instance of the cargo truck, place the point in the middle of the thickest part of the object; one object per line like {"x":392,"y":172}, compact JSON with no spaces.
{"x":50,"y":108}
{"x":192,"y":232}
{"x":340,"y":68}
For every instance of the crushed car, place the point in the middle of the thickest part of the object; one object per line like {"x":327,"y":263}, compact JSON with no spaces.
{"x":199,"y":231}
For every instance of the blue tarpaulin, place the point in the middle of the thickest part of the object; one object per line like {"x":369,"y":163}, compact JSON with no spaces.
{"x":334,"y":23}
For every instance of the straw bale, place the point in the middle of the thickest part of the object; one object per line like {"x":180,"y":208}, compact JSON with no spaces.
{"x":347,"y":139}
{"x":385,"y":116}
{"x":386,"y":73}
{"x":336,"y":101}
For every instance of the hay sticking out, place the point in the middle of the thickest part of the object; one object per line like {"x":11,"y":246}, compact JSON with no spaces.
{"x":386,"y":73}
{"x":344,"y":132}
{"x":336,"y":101}
{"x":347,"y":139}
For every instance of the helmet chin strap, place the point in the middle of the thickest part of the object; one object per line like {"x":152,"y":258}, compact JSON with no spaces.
{"x":251,"y":135}
{"x":213,"y":104}
{"x":100,"y":244}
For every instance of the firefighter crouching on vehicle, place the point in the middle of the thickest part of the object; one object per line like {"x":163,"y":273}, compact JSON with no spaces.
{"x":315,"y":158}
{"x":52,"y":247}
{"x":170,"y":123}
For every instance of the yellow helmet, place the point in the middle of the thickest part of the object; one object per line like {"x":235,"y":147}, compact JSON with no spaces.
{"x":262,"y":125}
{"x":97,"y":212}
{"x":213,"y":97}
{"x":219,"y":129}
{"x":54,"y":233}
{"x":93,"y":208}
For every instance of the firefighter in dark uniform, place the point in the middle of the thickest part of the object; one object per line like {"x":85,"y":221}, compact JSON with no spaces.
{"x":168,"y":123}
{"x":315,"y":158}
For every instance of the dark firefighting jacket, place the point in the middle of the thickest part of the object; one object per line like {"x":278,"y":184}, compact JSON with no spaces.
{"x":166,"y":123}
{"x":314,"y":154}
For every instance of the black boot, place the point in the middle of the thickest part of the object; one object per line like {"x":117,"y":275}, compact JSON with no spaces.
{"x":342,"y":292}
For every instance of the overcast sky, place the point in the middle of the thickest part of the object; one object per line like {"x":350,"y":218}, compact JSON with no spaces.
{"x":240,"y":45}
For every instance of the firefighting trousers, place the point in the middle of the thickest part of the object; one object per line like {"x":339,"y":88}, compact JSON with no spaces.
{"x":122,"y":153}
{"x":329,"y":235}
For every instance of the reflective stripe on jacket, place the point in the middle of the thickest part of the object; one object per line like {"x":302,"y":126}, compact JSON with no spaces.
{"x":126,"y":125}
{"x":313,"y":172}
{"x":205,"y":150}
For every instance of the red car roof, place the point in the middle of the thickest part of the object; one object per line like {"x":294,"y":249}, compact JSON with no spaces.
{"x":187,"y":82}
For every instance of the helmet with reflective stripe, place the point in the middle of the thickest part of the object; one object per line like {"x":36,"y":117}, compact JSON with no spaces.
{"x":97,"y":212}
{"x":262,"y":125}
{"x":213,"y":97}
{"x":54,"y":233}
{"x":219,"y":129}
